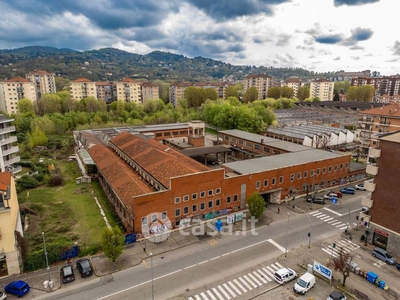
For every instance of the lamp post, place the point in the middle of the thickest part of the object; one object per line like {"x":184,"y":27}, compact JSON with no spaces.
{"x":152,"y":277}
{"x":45,"y":254}
{"x":309,"y":219}
{"x":287,"y":233}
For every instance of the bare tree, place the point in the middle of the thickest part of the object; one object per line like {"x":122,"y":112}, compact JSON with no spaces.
{"x":322,"y":141}
{"x":341,"y":264}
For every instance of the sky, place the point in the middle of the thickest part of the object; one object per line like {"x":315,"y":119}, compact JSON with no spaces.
{"x":316,"y":35}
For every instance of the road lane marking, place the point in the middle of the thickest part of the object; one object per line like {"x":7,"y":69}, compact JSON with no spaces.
{"x":188,"y":267}
{"x":332,"y":211}
{"x":229,"y":289}
{"x":203,"y":262}
{"x":277,"y":245}
{"x":214,"y":258}
{"x":223,"y":292}
{"x":245,"y":283}
{"x":234,"y":287}
{"x":239,"y":285}
{"x":249,"y":280}
{"x":211,"y":295}
{"x":218,"y":294}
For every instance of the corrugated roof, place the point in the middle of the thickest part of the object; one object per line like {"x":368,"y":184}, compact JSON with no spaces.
{"x":392,"y":110}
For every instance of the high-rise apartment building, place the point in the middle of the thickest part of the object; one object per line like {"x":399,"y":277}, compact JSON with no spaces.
{"x":8,"y":148}
{"x":14,"y":90}
{"x":322,"y":88}
{"x":44,"y":81}
{"x":128,"y":90}
{"x":82,"y":88}
{"x":261,"y":82}
{"x":105,"y":91}
{"x":149,"y":91}
{"x":293,"y":83}
{"x":386,"y":85}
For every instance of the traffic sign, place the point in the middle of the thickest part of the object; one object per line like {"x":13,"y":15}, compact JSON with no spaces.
{"x":334,"y":200}
{"x":321,"y":269}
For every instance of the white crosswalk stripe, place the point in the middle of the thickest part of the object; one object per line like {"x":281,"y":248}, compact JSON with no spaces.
{"x":239,"y":286}
{"x":330,"y":220}
{"x":347,"y":246}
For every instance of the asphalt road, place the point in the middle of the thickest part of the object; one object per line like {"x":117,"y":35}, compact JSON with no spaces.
{"x":182,"y":272}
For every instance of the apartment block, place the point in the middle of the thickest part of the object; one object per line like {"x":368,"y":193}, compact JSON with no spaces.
{"x":380,"y":221}
{"x":14,"y":90}
{"x":322,"y":88}
{"x":106,"y":91}
{"x":128,"y":90}
{"x":262,"y":82}
{"x":149,"y":91}
{"x":378,"y":121}
{"x":82,"y":88}
{"x":385,"y":85}
{"x":8,"y":146}
{"x":293,"y":83}
{"x":44,"y":81}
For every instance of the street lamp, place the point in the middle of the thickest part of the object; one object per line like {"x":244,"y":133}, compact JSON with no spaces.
{"x":309,"y":219}
{"x":287,"y":233}
{"x":45,"y":254}
{"x":152,"y":277}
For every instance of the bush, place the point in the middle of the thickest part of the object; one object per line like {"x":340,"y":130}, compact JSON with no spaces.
{"x":26,"y":182}
{"x":56,"y":180}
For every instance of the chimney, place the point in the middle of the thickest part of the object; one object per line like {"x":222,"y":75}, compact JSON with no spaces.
{"x":262,"y":141}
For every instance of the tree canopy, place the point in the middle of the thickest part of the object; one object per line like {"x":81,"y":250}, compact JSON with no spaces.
{"x":364,"y":93}
{"x":256,"y":205}
{"x":250,"y":95}
{"x":303,"y":93}
{"x":112,"y":241}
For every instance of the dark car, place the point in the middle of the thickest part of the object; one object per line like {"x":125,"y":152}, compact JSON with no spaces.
{"x":18,"y":288}
{"x":342,"y":149}
{"x":347,"y":190}
{"x":67,"y":274}
{"x":84,"y":267}
{"x":335,"y":295}
{"x":318,"y":200}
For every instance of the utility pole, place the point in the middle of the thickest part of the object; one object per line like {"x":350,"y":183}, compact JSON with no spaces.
{"x":287,"y":233}
{"x":45,"y":254}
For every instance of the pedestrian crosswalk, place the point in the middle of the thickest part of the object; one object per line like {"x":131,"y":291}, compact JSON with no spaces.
{"x":240,"y":285}
{"x":346,"y":245}
{"x":330,"y":220}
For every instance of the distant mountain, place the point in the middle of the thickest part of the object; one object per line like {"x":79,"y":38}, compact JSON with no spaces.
{"x":115,"y":64}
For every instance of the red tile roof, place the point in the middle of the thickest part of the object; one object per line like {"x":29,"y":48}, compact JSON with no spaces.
{"x":157,"y":159}
{"x":5,"y":180}
{"x":104,"y":83}
{"x":82,"y":80}
{"x":127,"y":80}
{"x":119,"y":175}
{"x":18,"y":79}
{"x":149,"y":84}
{"x":40,"y":72}
{"x":293,"y":79}
{"x":258,"y":76}
{"x":392,"y":110}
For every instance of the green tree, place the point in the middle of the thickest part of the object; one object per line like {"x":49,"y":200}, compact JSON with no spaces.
{"x":287,"y":92}
{"x":36,"y":138}
{"x":303,"y":93}
{"x":231,"y":91}
{"x":62,"y":83}
{"x":250,"y":95}
{"x":25,"y":106}
{"x":256,"y":205}
{"x":211,"y":94}
{"x":341,"y":87}
{"x":112,"y":241}
{"x":163,"y":89}
{"x":336,"y":97}
{"x":274,"y":92}
{"x":195,"y":96}
{"x":49,"y":103}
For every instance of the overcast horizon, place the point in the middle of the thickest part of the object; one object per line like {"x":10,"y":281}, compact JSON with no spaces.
{"x":321,"y":36}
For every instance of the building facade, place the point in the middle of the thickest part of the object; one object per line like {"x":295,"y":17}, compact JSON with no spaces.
{"x":8,"y":146}
{"x":128,"y":90}
{"x":44,"y":81}
{"x":261,"y":82}
{"x":82,"y":88}
{"x":14,"y":90}
{"x":322,"y":88}
{"x":149,"y":91}
{"x":293,"y":83}
{"x":105,"y":91}
{"x":385,"y":85}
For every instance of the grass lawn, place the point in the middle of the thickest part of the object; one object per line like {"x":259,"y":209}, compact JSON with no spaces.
{"x":67,"y":213}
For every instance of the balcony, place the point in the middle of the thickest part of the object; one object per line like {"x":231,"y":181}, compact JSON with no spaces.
{"x":7,"y":129}
{"x":11,"y":139}
{"x":364,"y":217}
{"x":13,"y":149}
{"x":367,"y":202}
{"x":12,"y":161}
{"x":15,"y":169}
{"x":384,"y":123}
{"x":374,"y":152}
{"x":369,"y":186}
{"x":367,"y":121}
{"x":371,"y":169}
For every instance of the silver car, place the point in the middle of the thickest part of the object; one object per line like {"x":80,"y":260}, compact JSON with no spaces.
{"x":383,"y":255}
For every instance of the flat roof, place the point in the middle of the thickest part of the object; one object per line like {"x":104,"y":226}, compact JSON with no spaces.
{"x":394,"y":137}
{"x":205,"y":150}
{"x":256,"y":165}
{"x":288,"y":146}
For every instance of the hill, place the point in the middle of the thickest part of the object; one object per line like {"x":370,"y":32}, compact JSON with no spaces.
{"x":115,"y":64}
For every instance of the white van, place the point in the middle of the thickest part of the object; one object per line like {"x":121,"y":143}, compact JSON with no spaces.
{"x":284,"y":275}
{"x":304,"y":283}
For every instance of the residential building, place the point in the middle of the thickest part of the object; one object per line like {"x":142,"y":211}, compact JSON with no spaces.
{"x":149,"y":91}
{"x":385,"y":85}
{"x":384,"y":205}
{"x":44,"y":81}
{"x":82,"y":88}
{"x":342,"y":75}
{"x":388,"y":99}
{"x":261,"y":82}
{"x":377,"y":121}
{"x":8,"y":146}
{"x":10,"y":226}
{"x":322,"y":88}
{"x":293,"y":83}
{"x":128,"y":90}
{"x":105,"y":91}
{"x":14,"y":90}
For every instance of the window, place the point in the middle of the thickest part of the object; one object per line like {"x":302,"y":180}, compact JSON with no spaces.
{"x":341,"y":166}
{"x":240,"y":142}
{"x":202,"y":206}
{"x":322,"y":184}
{"x":291,"y":177}
{"x":177,"y":200}
{"x":311,"y":173}
{"x":175,"y":133}
{"x":336,"y":167}
{"x":217,"y":191}
{"x":218,"y":202}
{"x":266,"y":182}
{"x":330,"y":169}
{"x":194,"y":208}
{"x":298,"y":175}
{"x":202,"y":194}
{"x":258,"y":184}
{"x":233,"y":140}
{"x":194,"y":196}
{"x":257,"y":147}
{"x":226,"y":137}
{"x":248,"y":144}
{"x":210,"y":204}
{"x":228,"y":199}
{"x":186,"y":210}
{"x":185,"y":198}
{"x":347,"y":165}
{"x":167,"y":133}
{"x":280,"y":179}
{"x":177,"y":212}
{"x":235,"y":198}
{"x":323,"y":170}
{"x":154,"y":218}
{"x":164,"y":215}
{"x":273,"y":182}
{"x":210,"y":193}
{"x":318,"y":170}
{"x":305,"y":174}
{"x":144,"y":221}
{"x":267,"y":150}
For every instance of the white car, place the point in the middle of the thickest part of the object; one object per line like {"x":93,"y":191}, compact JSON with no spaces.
{"x":284,"y":275}
{"x":360,"y":187}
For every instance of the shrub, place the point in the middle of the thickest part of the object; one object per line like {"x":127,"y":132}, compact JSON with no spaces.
{"x":26,"y":182}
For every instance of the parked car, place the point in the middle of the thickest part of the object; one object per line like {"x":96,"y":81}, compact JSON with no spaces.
{"x":18,"y":288}
{"x":331,"y":150}
{"x":398,"y":267}
{"x":355,"y":155}
{"x":304,"y":283}
{"x":347,"y":190}
{"x":67,"y":274}
{"x":329,"y":196}
{"x":349,"y":148}
{"x":342,"y":149}
{"x":3,"y":296}
{"x":284,"y":275}
{"x":364,"y":208}
{"x":360,"y":187}
{"x":318,"y":200}
{"x":383,"y":255}
{"x":335,"y":295}
{"x":84,"y":267}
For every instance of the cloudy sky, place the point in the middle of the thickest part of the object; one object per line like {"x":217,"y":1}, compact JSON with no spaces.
{"x":318,"y":35}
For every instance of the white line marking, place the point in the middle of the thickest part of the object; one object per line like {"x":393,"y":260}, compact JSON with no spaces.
{"x":249,"y":280}
{"x":190,"y":298}
{"x":239,"y":285}
{"x":214,"y":258}
{"x":259,"y":277}
{"x":328,"y":219}
{"x":254,"y":279}
{"x":211,"y":295}
{"x":279,"y":265}
{"x":245,"y":284}
{"x":218,"y":294}
{"x":225,"y":254}
{"x":330,"y":253}
{"x":190,"y":266}
{"x":333,"y":224}
{"x":277,"y":245}
{"x":198,"y":297}
{"x":234,"y":287}
{"x":269,"y":273}
{"x":321,"y":216}
{"x":223,"y":292}
{"x":314,"y":212}
{"x":276,"y":267}
{"x":203,"y":295}
{"x":229,"y":289}
{"x":249,"y":246}
{"x":332,"y":211}
{"x":330,"y":222}
{"x":203,"y":262}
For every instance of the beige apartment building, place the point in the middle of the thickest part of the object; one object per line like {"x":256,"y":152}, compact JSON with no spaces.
{"x":128,"y":90}
{"x":82,"y":88}
{"x":44,"y":81}
{"x":105,"y":91}
{"x":177,"y":91}
{"x":14,"y":90}
{"x":322,"y":88}
{"x":149,"y":91}
{"x":262,"y":82}
{"x":293,"y":83}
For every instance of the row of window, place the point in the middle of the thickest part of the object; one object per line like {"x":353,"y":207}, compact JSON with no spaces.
{"x":195,"y":207}
{"x":202,"y":194}
{"x":160,"y":134}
